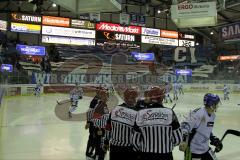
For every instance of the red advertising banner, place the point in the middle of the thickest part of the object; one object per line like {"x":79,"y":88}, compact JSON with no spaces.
{"x":66,"y":89}
{"x":57,"y":89}
{"x":103,"y":26}
{"x":169,"y":34}
{"x":13,"y":91}
{"x":56,"y":21}
{"x":186,"y":36}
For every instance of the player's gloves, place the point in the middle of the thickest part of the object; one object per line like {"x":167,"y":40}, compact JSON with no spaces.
{"x":99,"y":132}
{"x":217,"y":143}
{"x":105,"y":147}
{"x":184,"y":144}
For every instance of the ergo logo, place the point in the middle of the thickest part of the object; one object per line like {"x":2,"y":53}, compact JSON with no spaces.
{"x":185,"y":6}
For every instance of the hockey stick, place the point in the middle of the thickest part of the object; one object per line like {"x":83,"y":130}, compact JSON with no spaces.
{"x":230,"y":131}
{"x":63,"y":101}
{"x":174,"y":106}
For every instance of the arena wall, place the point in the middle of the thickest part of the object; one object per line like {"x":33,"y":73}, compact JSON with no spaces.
{"x":15,"y":90}
{"x":28,"y":89}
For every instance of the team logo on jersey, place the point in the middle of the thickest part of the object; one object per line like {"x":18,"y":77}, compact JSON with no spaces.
{"x":210,"y":124}
{"x":121,"y":113}
{"x":149,"y":115}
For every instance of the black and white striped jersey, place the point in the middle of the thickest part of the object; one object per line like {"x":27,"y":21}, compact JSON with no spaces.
{"x":101,"y":122}
{"x":91,"y":109}
{"x":157,"y":130}
{"x":122,"y":119}
{"x":90,"y":114}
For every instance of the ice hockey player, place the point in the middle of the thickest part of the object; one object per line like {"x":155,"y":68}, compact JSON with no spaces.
{"x":143,"y":102}
{"x":111,"y":90}
{"x":175,"y":91}
{"x":120,"y":124}
{"x":167,"y":92}
{"x":2,"y":90}
{"x":226,"y":92}
{"x":97,"y":110}
{"x":100,"y":117}
{"x":157,"y":129}
{"x":75,"y":95}
{"x":89,"y":125}
{"x":180,"y":88}
{"x":197,"y":131}
{"x":37,"y":89}
{"x":80,"y":92}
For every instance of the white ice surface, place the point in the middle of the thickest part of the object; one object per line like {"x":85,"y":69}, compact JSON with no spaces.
{"x":31,"y":131}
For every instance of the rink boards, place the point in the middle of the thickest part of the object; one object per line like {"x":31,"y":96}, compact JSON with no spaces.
{"x":28,"y":89}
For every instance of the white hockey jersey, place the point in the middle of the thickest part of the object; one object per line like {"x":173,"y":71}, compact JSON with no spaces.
{"x":199,"y":125}
{"x":74,"y":96}
{"x":225,"y":90}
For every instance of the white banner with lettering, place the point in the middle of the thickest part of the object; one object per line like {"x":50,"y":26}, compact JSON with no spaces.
{"x":151,"y":31}
{"x":186,"y":43}
{"x":193,"y":10}
{"x":186,"y":15}
{"x":68,"y":40}
{"x":68,"y":32}
{"x":159,"y":40}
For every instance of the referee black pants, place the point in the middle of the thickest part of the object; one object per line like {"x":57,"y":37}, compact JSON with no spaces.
{"x":121,"y":153}
{"x":156,"y":156}
{"x":91,"y":141}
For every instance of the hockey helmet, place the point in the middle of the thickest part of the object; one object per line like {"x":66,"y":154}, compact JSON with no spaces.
{"x":130,"y":96}
{"x":156,"y":94}
{"x":211,"y":100}
{"x":103,"y":94}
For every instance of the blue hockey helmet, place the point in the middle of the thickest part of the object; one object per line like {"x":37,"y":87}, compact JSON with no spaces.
{"x":210,"y":100}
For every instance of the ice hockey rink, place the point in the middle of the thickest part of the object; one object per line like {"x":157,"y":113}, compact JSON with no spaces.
{"x":30,"y":130}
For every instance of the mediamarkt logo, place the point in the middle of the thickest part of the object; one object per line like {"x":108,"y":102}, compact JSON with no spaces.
{"x":117,"y":28}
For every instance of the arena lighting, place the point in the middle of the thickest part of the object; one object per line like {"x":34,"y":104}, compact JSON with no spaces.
{"x":229,"y":58}
{"x":147,"y":12}
{"x":37,"y":2}
{"x":6,"y":67}
{"x":211,"y":32}
{"x":183,"y":72}
{"x":159,"y":11}
{"x":54,"y":5}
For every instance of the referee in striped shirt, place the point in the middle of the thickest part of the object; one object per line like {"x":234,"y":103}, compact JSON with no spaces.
{"x":89,"y":125}
{"x":120,"y":124}
{"x":91,"y":144}
{"x":157,"y":129}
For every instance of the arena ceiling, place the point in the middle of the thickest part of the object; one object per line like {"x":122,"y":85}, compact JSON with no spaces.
{"x":229,"y":14}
